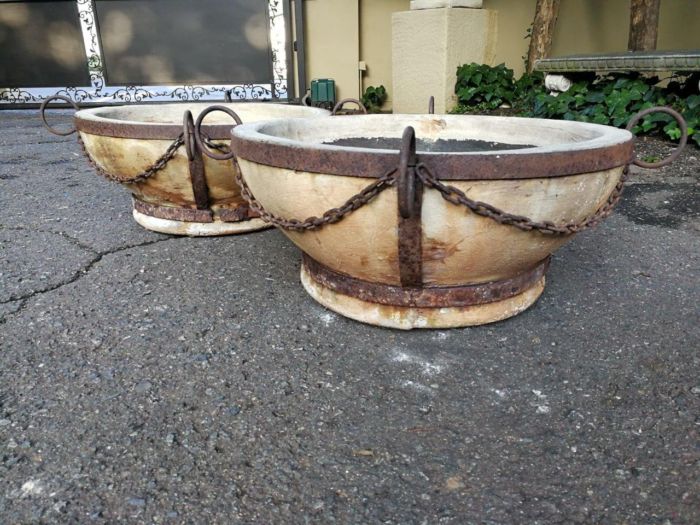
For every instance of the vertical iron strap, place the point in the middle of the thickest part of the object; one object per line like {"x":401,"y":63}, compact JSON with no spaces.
{"x":195,"y":163}
{"x":410,"y":199}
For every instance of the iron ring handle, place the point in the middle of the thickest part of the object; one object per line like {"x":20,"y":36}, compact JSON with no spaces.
{"x":198,"y":131}
{"x":681,"y":144}
{"x":42,"y":110}
{"x":406,"y":174}
{"x":431,"y":105}
{"x":188,"y":135}
{"x":340,"y":104}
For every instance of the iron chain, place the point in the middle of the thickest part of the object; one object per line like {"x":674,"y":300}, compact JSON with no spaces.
{"x":330,"y":216}
{"x":458,"y":197}
{"x":449,"y":193}
{"x":155,"y":167}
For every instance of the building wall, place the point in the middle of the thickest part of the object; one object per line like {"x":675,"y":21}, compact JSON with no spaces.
{"x":331,"y":31}
{"x":340,"y":33}
{"x":375,"y":41}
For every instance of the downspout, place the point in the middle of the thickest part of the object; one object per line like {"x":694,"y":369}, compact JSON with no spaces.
{"x":360,"y":80}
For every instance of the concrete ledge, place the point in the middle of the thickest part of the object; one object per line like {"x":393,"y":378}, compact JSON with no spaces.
{"x":686,"y":60}
{"x":436,"y":4}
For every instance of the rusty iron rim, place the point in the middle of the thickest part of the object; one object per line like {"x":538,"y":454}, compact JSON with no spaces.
{"x":173,"y":213}
{"x":157,"y":131}
{"x":356,"y":162}
{"x":424,"y":297}
{"x":127,"y":130}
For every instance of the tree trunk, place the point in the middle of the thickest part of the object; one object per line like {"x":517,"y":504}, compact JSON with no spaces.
{"x":546,"y":12}
{"x":644,"y":25}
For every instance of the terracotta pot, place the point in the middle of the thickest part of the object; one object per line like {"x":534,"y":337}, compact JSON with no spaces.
{"x":442,"y":265}
{"x":124,"y":141}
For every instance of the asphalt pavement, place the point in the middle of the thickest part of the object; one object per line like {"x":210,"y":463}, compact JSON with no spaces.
{"x":147,"y":378}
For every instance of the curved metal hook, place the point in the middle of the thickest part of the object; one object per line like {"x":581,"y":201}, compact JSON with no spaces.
{"x":340,"y":104}
{"x":198,"y":131}
{"x":45,"y":104}
{"x":681,"y":124}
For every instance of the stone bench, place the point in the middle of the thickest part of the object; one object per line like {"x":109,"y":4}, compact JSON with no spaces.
{"x":557,"y":69}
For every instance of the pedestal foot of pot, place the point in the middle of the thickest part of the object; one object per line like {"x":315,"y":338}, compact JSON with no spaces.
{"x":198,"y":229}
{"x":408,"y":317}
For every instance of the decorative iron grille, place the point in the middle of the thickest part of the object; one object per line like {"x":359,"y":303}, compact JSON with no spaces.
{"x":278,"y":85}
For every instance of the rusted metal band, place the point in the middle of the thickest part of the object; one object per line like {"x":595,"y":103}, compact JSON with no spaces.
{"x":143,"y":130}
{"x":472,"y":166}
{"x":172,"y":213}
{"x":242,"y":213}
{"x":195,"y":163}
{"x":427,"y":297}
{"x":239,"y":214}
{"x":409,"y":190}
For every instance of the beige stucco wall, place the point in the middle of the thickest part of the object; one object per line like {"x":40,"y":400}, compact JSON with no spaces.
{"x":340,"y":33}
{"x":375,"y":41}
{"x":331,"y":31}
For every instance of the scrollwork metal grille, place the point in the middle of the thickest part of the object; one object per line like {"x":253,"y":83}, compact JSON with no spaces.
{"x":101,"y":93}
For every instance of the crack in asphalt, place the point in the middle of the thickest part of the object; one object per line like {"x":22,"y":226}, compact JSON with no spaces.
{"x":20,"y":306}
{"x":73,"y":240}
{"x":80,"y":272}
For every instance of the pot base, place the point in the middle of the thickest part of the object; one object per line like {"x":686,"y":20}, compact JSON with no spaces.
{"x":198,"y":229}
{"x":407,"y":317}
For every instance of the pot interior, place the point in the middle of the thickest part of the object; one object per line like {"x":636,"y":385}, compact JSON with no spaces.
{"x":423,"y":145}
{"x":441,"y":133}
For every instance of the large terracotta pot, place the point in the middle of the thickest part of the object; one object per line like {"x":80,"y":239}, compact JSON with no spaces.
{"x":409,"y":252}
{"x":192,"y":194}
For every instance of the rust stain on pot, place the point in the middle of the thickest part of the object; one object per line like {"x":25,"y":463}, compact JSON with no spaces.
{"x":436,"y":250}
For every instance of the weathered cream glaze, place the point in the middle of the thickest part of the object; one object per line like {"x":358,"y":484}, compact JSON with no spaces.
{"x":197,"y":229}
{"x":171,"y":186}
{"x":458,"y":247}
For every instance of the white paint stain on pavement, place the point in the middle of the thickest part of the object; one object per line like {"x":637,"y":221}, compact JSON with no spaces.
{"x":427,"y":368}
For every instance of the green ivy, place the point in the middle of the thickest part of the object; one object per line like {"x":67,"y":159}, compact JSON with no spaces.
{"x":484,"y":87}
{"x":373,"y":98}
{"x":611,"y":100}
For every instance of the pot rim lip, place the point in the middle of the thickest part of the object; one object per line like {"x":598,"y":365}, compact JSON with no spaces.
{"x":610,"y":148}
{"x":93,"y":122}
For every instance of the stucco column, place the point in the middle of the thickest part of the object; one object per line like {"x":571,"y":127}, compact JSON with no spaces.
{"x":429,"y":44}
